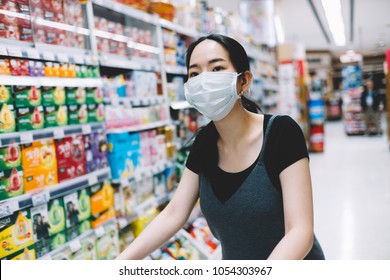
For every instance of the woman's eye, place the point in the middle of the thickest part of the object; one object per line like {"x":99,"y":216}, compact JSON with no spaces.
{"x":193,"y":74}
{"x":218,"y":68}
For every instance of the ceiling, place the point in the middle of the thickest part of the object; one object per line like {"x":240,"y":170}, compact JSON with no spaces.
{"x":370,"y":32}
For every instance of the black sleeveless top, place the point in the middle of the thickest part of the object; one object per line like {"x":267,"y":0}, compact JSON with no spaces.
{"x":250,"y":223}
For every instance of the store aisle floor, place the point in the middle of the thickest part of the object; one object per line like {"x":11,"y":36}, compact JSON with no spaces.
{"x":351,"y":188}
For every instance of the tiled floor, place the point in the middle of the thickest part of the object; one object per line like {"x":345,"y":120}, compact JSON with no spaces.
{"x":351,"y":186}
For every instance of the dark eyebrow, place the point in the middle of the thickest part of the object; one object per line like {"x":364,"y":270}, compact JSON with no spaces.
{"x":210,"y":62}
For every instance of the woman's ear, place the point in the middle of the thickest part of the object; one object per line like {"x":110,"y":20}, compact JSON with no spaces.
{"x":246,"y":79}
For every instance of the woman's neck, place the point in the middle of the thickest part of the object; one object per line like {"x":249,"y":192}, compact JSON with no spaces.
{"x":234,"y":128}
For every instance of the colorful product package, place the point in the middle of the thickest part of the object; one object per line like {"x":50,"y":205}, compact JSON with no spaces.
{"x":96,"y":151}
{"x":94,"y":95}
{"x":10,"y":156}
{"x":144,"y":189}
{"x":40,"y":219}
{"x":102,"y":197}
{"x":27,"y":96}
{"x":11,"y":183}
{"x":58,"y":239}
{"x":75,"y":95}
{"x":95,"y":113}
{"x":6,"y":95}
{"x":25,"y":254}
{"x":56,"y":115}
{"x":70,"y":153}
{"x":126,"y":236}
{"x":53,"y":96}
{"x":159,"y":185}
{"x":16,"y":233}
{"x":103,"y":217}
{"x":4,"y":64}
{"x":39,"y":165}
{"x":7,"y":118}
{"x":107,"y":246}
{"x":77,"y":207}
{"x":56,"y":216}
{"x":30,"y":118}
{"x":75,"y":231}
{"x":129,"y":198}
{"x":77,"y":114}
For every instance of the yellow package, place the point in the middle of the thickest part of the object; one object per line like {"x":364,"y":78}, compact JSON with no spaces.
{"x":25,"y":254}
{"x":39,"y":165}
{"x":16,"y":233}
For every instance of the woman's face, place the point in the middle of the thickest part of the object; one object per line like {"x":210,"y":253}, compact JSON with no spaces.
{"x":209,"y":56}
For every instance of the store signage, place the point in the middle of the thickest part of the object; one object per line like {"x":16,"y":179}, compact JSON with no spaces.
{"x":351,"y":56}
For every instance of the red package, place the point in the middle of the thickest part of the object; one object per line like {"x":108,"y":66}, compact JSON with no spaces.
{"x":11,"y":7}
{"x":70,"y":153}
{"x":23,"y":70}
{"x":14,"y":66}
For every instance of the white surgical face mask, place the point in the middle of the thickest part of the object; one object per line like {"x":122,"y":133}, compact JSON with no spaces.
{"x":212,"y":93}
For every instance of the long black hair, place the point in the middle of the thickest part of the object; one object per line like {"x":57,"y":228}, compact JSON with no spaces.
{"x":238,"y":57}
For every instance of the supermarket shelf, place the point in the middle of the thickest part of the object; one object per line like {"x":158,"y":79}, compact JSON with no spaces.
{"x":127,"y":10}
{"x":178,"y":28}
{"x":135,"y":101}
{"x":117,"y":61}
{"x":175,"y":69}
{"x":180,"y":105}
{"x":25,"y":137}
{"x":50,"y":81}
{"x":12,"y":205}
{"x":140,"y":127}
{"x":46,"y":52}
{"x":145,"y":172}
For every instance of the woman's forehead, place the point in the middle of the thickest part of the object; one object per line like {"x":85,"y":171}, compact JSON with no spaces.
{"x":208,"y":50}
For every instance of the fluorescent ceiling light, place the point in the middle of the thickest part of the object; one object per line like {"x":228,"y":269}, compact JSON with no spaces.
{"x":334,"y":17}
{"x":279,"y":29}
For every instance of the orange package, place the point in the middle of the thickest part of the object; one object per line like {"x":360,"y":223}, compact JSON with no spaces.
{"x":39,"y":165}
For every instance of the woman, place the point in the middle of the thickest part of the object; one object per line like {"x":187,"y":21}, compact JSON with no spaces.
{"x":250,"y":171}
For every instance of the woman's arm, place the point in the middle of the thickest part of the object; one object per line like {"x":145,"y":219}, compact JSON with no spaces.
{"x":168,"y":222}
{"x":298,"y":212}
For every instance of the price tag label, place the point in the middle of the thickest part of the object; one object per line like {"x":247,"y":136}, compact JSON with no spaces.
{"x":14,"y":51}
{"x":7,"y":208}
{"x":48,"y":56}
{"x":100,"y":231}
{"x":62,"y":57}
{"x":74,"y":245}
{"x":40,"y":198}
{"x":26,"y":137}
{"x":58,"y":133}
{"x":86,"y":129}
{"x":92,"y":180}
{"x":3,"y":50}
{"x":88,"y":60}
{"x":122,"y":223}
{"x":33,"y":53}
{"x":78,"y":59}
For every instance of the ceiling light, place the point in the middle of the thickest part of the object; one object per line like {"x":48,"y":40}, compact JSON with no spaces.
{"x":334,"y":17}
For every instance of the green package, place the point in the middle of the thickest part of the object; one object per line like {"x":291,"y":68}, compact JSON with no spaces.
{"x":26,"y":96}
{"x":56,"y":116}
{"x":30,"y":118}
{"x":58,"y":239}
{"x":10,"y":157}
{"x":56,"y":216}
{"x":11,"y":183}
{"x":94,"y":96}
{"x":75,"y":95}
{"x":77,"y":114}
{"x":96,"y":113}
{"x":53,"y":96}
